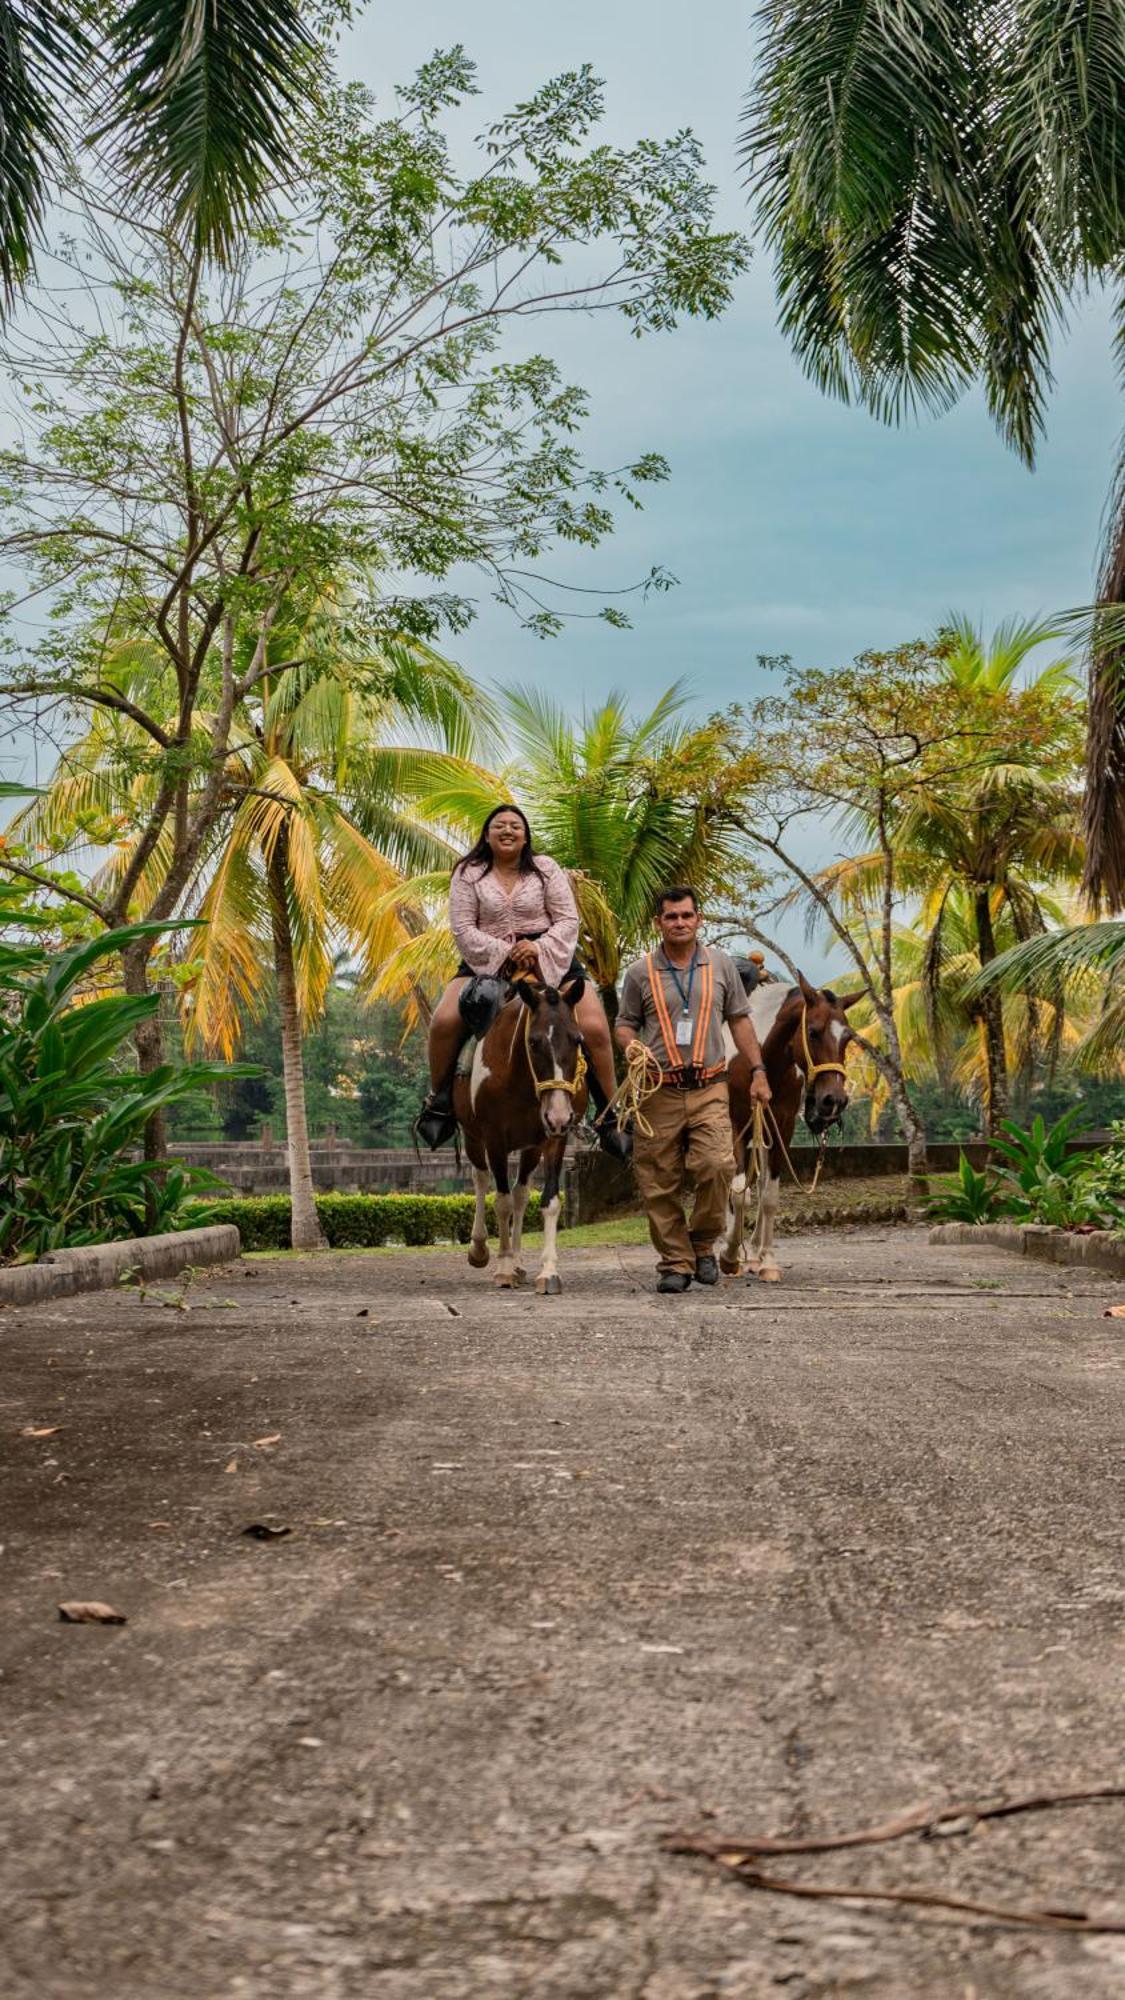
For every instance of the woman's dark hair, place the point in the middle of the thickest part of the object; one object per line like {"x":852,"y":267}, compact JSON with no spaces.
{"x":481,"y":856}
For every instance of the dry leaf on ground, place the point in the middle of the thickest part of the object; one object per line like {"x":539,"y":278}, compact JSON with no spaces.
{"x":262,"y":1531}
{"x":40,"y":1430}
{"x":79,"y":1613}
{"x":262,"y":1444}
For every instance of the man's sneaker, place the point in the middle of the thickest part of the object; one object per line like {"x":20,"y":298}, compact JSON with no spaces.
{"x":674,"y":1281}
{"x":706,"y":1271}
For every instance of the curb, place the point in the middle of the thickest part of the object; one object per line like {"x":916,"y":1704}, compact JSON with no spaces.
{"x":1098,"y":1250}
{"x":99,"y":1265}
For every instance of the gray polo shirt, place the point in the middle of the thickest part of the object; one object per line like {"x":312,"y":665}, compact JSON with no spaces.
{"x":638,"y":1009}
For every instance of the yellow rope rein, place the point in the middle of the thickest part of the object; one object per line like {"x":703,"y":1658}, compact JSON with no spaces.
{"x":639,"y":1083}
{"x":760,"y":1144}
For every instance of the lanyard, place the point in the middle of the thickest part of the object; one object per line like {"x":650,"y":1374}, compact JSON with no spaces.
{"x":685,"y":998}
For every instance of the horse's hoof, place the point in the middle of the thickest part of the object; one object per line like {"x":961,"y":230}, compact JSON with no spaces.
{"x":770,"y":1275}
{"x":548,"y":1288}
{"x":505,"y":1281}
{"x":478,"y":1255}
{"x":729,"y":1267}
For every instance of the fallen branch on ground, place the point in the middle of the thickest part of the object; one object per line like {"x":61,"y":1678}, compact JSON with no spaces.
{"x":739,"y":1856}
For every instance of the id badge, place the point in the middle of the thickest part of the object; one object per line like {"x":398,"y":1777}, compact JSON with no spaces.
{"x":685,"y":1032}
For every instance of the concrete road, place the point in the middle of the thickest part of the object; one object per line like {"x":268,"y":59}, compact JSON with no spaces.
{"x":563,"y":1574}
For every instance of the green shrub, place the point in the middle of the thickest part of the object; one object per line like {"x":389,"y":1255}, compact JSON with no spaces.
{"x":971,"y":1197}
{"x":73,"y":1110}
{"x":355,"y":1221}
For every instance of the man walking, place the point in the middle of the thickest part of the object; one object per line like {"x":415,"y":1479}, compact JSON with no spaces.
{"x":674,"y":1003}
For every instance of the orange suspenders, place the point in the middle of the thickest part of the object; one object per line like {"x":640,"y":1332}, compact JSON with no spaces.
{"x":702,"y":1022}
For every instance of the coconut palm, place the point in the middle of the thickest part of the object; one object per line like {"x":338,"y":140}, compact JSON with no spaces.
{"x":626,"y":803}
{"x":1085,"y":963}
{"x":196,"y":103}
{"x":940,"y":1030}
{"x":318,"y":828}
{"x":991,"y":840}
{"x":937,"y":183}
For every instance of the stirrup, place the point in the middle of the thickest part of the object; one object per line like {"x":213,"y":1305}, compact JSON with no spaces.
{"x":436,"y":1123}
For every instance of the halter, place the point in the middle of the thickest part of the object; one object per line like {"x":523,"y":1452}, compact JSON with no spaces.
{"x":815,"y":1068}
{"x":568,"y":1085}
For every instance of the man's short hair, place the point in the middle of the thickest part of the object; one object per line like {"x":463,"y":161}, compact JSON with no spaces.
{"x":678,"y":893}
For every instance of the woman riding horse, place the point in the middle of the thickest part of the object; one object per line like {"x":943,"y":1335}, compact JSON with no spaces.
{"x":513,"y":911}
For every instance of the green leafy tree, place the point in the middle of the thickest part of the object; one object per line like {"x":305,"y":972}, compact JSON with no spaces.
{"x":868,"y":749}
{"x":981,"y":844}
{"x":204,"y":457}
{"x":938,"y":183}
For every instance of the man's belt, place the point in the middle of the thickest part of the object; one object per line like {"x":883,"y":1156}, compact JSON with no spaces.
{"x":691,"y":1076}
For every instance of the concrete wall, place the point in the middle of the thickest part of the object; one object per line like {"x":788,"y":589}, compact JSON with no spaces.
{"x":100,"y":1265}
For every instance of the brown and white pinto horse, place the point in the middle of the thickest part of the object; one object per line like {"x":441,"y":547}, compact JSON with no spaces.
{"x":803,"y":1034}
{"x":524,"y":1094}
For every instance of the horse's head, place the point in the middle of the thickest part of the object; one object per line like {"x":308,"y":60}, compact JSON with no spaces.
{"x":554,"y":1050}
{"x":820,"y":1037}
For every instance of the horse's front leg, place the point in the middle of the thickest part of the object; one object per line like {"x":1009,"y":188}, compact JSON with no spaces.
{"x":478,"y":1241}
{"x":547,"y":1282}
{"x":762,"y":1262}
{"x":529,"y":1160}
{"x":505,"y":1279}
{"x":730,"y":1256}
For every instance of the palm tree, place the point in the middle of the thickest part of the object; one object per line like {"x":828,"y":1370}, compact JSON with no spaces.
{"x":318,"y":827}
{"x":1084,"y":965}
{"x":983,"y":846}
{"x":626,"y":803}
{"x":939,"y":1027}
{"x":320,"y":832}
{"x":937,"y":183}
{"x":198,"y":101}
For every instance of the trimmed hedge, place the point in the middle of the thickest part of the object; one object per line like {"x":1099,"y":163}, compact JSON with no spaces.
{"x":353,"y":1221}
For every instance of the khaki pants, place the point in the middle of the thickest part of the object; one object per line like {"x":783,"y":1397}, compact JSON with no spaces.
{"x":690,"y":1135}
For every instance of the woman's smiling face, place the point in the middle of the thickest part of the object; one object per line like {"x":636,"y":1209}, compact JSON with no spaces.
{"x":506,"y":836}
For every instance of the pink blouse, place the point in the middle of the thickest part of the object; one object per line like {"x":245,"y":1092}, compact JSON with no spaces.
{"x":486,"y":920}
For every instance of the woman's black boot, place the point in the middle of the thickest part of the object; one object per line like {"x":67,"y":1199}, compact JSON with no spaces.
{"x":436,"y":1122}
{"x":611,"y":1139}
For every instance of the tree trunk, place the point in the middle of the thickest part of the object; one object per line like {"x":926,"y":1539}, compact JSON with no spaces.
{"x":1104,"y":797}
{"x":305,"y":1232}
{"x":992,"y":1018}
{"x":148,"y":1039}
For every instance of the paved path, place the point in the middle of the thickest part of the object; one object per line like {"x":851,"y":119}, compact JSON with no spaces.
{"x":563,"y":1574}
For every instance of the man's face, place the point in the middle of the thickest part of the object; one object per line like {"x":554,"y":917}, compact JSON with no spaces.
{"x":679,"y":923}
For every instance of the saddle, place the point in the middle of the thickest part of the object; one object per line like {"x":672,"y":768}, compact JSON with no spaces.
{"x":481,"y":1001}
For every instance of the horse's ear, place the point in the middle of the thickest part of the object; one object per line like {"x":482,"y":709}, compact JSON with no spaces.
{"x":808,"y":993}
{"x":573,"y":990}
{"x":528,"y":993}
{"x":851,"y":1000}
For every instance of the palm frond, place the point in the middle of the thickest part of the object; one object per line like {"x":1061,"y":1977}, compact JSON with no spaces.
{"x":207,"y":100}
{"x":44,"y":50}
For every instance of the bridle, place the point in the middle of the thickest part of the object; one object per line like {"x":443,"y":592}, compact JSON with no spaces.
{"x":814,"y":1068}
{"x":570,"y":1086}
